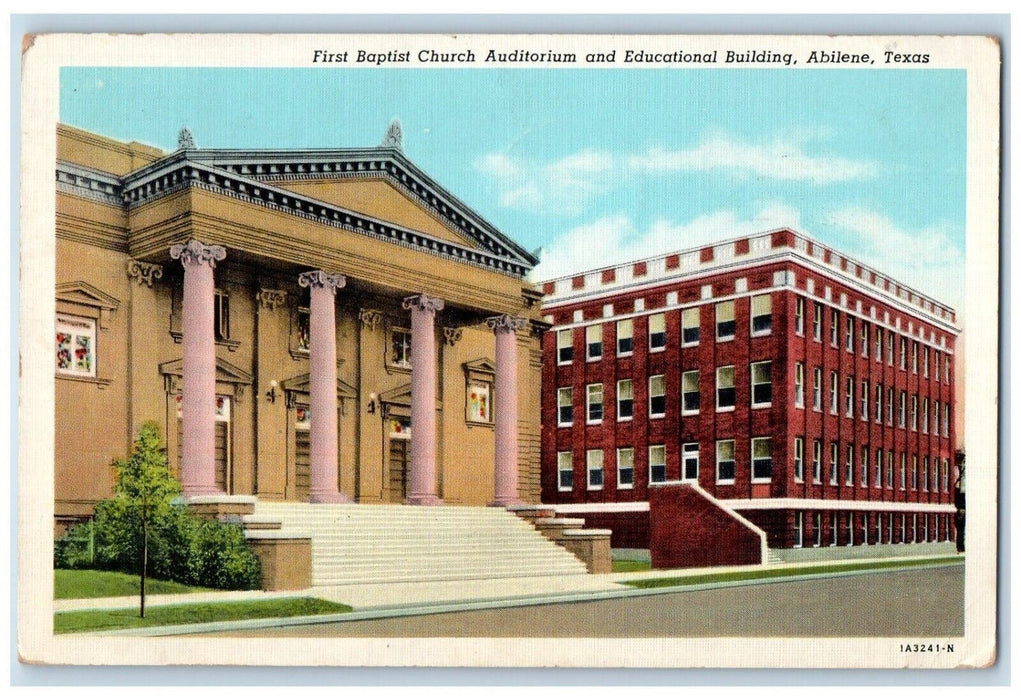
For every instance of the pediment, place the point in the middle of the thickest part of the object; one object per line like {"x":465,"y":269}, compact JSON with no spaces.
{"x":381,"y":200}
{"x":85,"y":294}
{"x":300,"y":384}
{"x":401,"y":396}
{"x":225,"y":371}
{"x":481,"y":365}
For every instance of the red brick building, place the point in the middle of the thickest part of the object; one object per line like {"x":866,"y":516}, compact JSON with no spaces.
{"x":808,"y":393}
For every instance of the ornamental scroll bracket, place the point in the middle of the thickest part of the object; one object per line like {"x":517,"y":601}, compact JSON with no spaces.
{"x":271,"y":298}
{"x":371,"y":318}
{"x":451,"y":336}
{"x":143,"y":272}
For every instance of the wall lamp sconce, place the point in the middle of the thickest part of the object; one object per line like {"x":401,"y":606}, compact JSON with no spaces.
{"x":371,"y":408}
{"x":271,"y":395}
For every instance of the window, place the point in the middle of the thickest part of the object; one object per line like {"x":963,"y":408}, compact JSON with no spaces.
{"x":817,"y":527}
{"x":817,"y":321}
{"x":925,"y":473}
{"x":657,"y":464}
{"x":762,"y":314}
{"x":690,"y":396}
{"x":864,"y":465}
{"x":762,"y":384}
{"x":817,"y":389}
{"x":817,"y":461}
{"x":798,"y":528}
{"x":914,"y":527}
{"x":625,"y":399}
{"x":903,"y":353}
{"x":799,"y":316}
{"x":946,"y":475}
{"x":625,"y":336}
{"x":834,"y":521}
{"x":221,"y":315}
{"x":946,"y":420}
{"x":725,"y":388}
{"x":914,"y":412}
{"x":833,"y":393}
{"x":799,"y":459}
{"x":725,"y":326}
{"x":914,"y":472}
{"x":833,"y":463}
{"x":914,"y":357}
{"x":903,"y":471}
{"x":946,"y":370}
{"x":594,"y":401}
{"x":834,"y":325}
{"x":762,"y":459}
{"x":864,"y":339}
{"x":304,"y":328}
{"x":725,"y":461}
{"x":565,"y":346}
{"x":925,"y":362}
{"x":657,"y":396}
{"x":565,"y":406}
{"x":689,"y":461}
{"x":889,"y":469}
{"x":879,"y":403}
{"x":934,"y":474}
{"x":935,"y":360}
{"x":657,"y":332}
{"x":480,"y":404}
{"x":889,"y":348}
{"x":625,"y":467}
{"x":594,"y":466}
{"x":903,"y":528}
{"x":565,"y":471}
{"x":878,"y":481}
{"x":864,"y":399}
{"x":889,"y":406}
{"x":690,"y":321}
{"x":925,"y":414}
{"x":849,"y":398}
{"x":879,"y":344}
{"x":935,"y":419}
{"x":849,"y":334}
{"x":75,"y":346}
{"x":925,"y":528}
{"x":849,"y":466}
{"x":799,"y":384}
{"x":594,"y":343}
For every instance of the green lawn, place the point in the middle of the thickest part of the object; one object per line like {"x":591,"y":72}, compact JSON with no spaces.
{"x":96,"y":620}
{"x":752,"y":574}
{"x":88,"y":583}
{"x":623,"y":565}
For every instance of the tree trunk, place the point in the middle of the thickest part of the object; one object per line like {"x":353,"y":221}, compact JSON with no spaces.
{"x":145,"y":565}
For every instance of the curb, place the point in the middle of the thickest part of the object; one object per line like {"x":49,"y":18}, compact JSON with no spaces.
{"x":392,"y":611}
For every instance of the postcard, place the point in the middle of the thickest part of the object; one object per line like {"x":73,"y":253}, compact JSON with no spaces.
{"x":603,"y":351}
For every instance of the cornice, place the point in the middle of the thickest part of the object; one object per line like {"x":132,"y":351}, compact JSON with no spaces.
{"x":89,"y":183}
{"x":177,"y":173}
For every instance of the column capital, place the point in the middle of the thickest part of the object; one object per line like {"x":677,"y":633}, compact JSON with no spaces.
{"x":318,"y":278}
{"x":505,"y":323}
{"x":423,"y":302}
{"x":197,"y":253}
{"x":143,"y":272}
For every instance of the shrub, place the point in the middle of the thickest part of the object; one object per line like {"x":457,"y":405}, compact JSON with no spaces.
{"x":220,"y":558}
{"x":73,"y":550}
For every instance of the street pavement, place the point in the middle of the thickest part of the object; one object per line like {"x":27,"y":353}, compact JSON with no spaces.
{"x":907,"y":603}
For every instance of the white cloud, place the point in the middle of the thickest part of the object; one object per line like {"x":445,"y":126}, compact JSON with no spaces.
{"x":615,"y":239}
{"x":565,"y":186}
{"x":926,"y":259}
{"x":781,"y":159}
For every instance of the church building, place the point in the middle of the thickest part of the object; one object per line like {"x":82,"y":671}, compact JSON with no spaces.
{"x":323,"y":325}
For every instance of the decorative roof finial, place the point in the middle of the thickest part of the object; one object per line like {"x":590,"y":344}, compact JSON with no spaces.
{"x":185,"y":139}
{"x":394,"y":136}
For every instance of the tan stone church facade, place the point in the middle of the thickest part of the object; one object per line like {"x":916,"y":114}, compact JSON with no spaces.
{"x":273,"y":310}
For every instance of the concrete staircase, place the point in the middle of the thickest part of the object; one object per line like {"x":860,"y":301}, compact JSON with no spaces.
{"x":390,"y":543}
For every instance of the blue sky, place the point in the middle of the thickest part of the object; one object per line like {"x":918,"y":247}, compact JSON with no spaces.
{"x":601,"y":166}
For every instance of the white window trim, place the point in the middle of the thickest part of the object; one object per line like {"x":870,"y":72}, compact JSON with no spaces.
{"x":663,"y":395}
{"x":76,"y":326}
{"x":752,"y":385}
{"x":718,"y":479}
{"x":589,"y":403}
{"x":625,"y":419}
{"x":685,"y":411}
{"x":622,"y":486}
{"x":560,"y":472}
{"x":651,"y":448}
{"x":571,"y":422}
{"x":570,"y":334}
{"x":684,"y":457}
{"x":588,"y":470}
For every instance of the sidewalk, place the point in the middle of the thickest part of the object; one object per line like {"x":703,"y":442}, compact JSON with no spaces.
{"x":391,"y":596}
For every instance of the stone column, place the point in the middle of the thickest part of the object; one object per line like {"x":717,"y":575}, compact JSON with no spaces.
{"x":198,"y":390}
{"x":506,"y":408}
{"x":422,"y":486}
{"x":323,"y":384}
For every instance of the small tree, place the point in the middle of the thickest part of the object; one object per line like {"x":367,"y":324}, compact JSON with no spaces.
{"x":143,"y":493}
